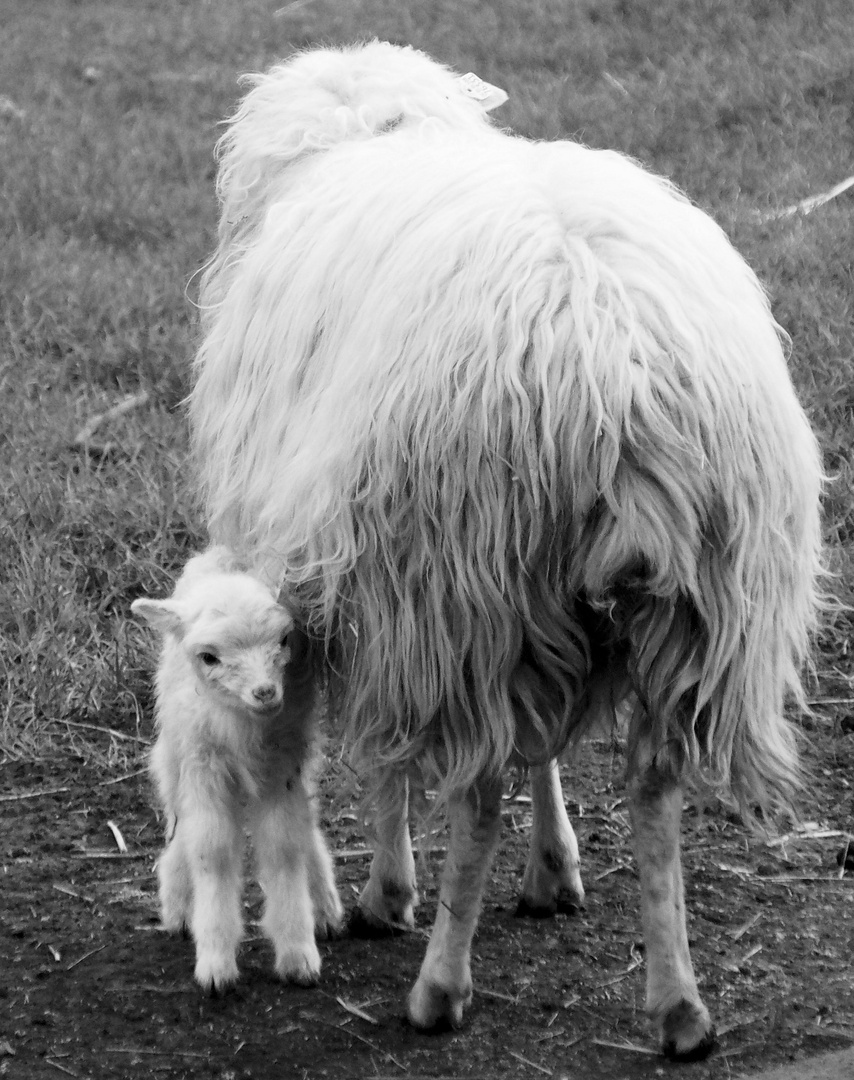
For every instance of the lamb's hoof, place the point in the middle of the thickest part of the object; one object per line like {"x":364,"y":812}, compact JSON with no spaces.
{"x":566,"y":902}
{"x":687,"y":1032}
{"x":435,"y":1009}
{"x":216,"y":975}
{"x":300,"y":966}
{"x":365,"y":924}
{"x":328,"y":915}
{"x":175,"y":923}
{"x":328,"y":928}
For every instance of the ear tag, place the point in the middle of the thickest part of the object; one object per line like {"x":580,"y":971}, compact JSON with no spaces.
{"x":485,"y":94}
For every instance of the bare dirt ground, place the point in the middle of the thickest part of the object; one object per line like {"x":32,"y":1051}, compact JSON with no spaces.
{"x":90,"y":987}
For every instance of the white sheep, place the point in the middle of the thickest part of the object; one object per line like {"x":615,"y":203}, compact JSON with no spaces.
{"x":512,"y":422}
{"x":235,"y":747}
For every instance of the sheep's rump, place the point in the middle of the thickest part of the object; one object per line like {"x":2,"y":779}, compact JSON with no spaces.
{"x":514,"y":425}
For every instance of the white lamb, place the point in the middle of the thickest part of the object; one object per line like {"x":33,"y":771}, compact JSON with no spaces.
{"x":235,"y":746}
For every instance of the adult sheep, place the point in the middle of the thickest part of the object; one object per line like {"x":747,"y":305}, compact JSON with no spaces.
{"x":512,"y":424}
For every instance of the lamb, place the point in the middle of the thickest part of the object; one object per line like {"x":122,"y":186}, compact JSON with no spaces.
{"x":511,"y":423}
{"x":235,"y":747}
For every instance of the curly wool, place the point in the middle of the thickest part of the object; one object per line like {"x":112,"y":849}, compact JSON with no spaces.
{"x":513,"y":423}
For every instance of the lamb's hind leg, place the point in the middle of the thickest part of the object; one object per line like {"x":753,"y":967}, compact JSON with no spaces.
{"x":388,"y":900}
{"x":444,"y":986}
{"x":672,"y":999}
{"x":175,"y":884}
{"x":552,"y":879}
{"x":326,"y":903}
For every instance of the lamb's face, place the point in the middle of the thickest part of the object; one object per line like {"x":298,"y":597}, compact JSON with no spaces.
{"x":233,"y":633}
{"x":241,"y":654}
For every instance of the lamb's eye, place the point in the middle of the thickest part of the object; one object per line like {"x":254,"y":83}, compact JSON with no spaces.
{"x":209,"y":659}
{"x":284,"y":642}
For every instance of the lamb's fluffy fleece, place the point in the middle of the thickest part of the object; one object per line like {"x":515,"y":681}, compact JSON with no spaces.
{"x":513,"y":422}
{"x":235,"y":746}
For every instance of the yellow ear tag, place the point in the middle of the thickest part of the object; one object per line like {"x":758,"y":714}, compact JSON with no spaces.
{"x":485,"y":94}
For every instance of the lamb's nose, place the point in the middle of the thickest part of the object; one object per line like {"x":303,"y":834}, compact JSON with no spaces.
{"x":264,"y":693}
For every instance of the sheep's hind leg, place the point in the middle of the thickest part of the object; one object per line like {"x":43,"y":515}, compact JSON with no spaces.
{"x":672,"y":999}
{"x":444,"y":987}
{"x":552,"y":880}
{"x":388,"y":900}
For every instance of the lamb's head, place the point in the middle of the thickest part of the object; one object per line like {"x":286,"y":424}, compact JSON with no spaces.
{"x":233,"y":634}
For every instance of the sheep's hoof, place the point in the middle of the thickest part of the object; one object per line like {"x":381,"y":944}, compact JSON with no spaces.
{"x":367,"y":924}
{"x":386,"y":907}
{"x":434,"y":1008}
{"x":565,"y":902}
{"x":687,"y":1032}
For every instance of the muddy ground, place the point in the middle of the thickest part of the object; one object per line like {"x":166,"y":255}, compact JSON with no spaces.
{"x":90,"y":987}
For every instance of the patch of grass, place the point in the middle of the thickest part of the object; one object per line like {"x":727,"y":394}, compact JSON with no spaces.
{"x":107,"y":210}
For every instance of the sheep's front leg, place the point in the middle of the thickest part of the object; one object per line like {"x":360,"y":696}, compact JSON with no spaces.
{"x":672,"y":999}
{"x":213,"y":841}
{"x":444,"y":986}
{"x":388,"y":900}
{"x":282,"y":829}
{"x":552,"y":879}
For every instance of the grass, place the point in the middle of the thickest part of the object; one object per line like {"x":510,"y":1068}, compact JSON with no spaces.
{"x":108,"y":116}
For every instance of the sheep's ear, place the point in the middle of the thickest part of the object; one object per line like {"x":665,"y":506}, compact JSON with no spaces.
{"x":163,"y":615}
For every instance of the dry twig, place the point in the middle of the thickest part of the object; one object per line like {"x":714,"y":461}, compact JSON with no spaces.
{"x":356,"y":1011}
{"x":631,"y":1047}
{"x":32,"y":794}
{"x":83,"y":438}
{"x":117,"y":836}
{"x":85,"y":957}
{"x":532,"y":1064}
{"x":97,"y":727}
{"x":62,"y":1068}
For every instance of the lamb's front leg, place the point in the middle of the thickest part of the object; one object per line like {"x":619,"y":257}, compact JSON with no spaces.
{"x":388,"y":900}
{"x":282,"y":828}
{"x":552,"y":879}
{"x":213,"y":842}
{"x":444,"y":986}
{"x":672,"y":998}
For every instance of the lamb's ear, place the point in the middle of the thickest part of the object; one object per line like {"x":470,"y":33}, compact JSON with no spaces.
{"x":163,"y":615}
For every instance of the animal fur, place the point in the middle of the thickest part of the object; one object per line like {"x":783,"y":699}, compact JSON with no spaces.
{"x":235,"y":747}
{"x":512,"y":423}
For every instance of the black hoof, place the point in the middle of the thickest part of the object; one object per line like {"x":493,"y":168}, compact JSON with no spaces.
{"x":696,"y":1053}
{"x":563,"y":904}
{"x":360,"y":926}
{"x":527,"y":910}
{"x":685,"y":1023}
